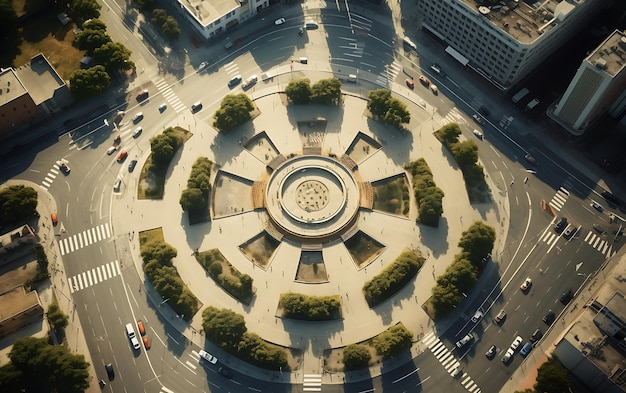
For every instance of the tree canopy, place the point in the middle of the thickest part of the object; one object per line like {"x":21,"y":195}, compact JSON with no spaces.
{"x":164,"y":146}
{"x":91,"y":82}
{"x":82,"y":10}
{"x":90,"y":40}
{"x":113,"y":56}
{"x":298,"y":91}
{"x":356,"y":356}
{"x":326,"y":91}
{"x":223,"y":327}
{"x":477,"y":241}
{"x":552,"y":377}
{"x":17,"y":203}
{"x":382,"y":105}
{"x":234,"y":111}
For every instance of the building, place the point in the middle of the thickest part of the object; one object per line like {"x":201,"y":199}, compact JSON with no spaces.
{"x":505,"y":40}
{"x":596,"y":87}
{"x":216,"y":17}
{"x":18,"y":308}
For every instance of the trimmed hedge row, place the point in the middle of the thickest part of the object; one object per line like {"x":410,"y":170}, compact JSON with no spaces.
{"x":239,"y":285}
{"x":312,"y":308}
{"x":428,"y":196}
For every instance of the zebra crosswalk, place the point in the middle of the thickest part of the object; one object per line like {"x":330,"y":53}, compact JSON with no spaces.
{"x":84,"y":239}
{"x":94,"y":276}
{"x":166,"y":91}
{"x":448,"y":360}
{"x":391,"y":72}
{"x":559,"y":199}
{"x":52,"y":174}
{"x":595,"y":241}
{"x":360,"y":24}
{"x":232,"y":68}
{"x":312,"y":383}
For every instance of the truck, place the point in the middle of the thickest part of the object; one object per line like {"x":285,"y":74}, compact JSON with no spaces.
{"x":532,"y":104}
{"x":519,"y":95}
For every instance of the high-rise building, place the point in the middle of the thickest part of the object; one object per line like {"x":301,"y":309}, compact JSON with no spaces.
{"x":599,"y":81}
{"x":505,"y":40}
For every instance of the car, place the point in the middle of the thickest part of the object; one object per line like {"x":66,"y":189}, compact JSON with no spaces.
{"x":111,"y":150}
{"x":549,"y":318}
{"x":425,"y":81}
{"x":132,"y":165}
{"x":196,"y":106}
{"x":234,"y":81}
{"x":146,"y":342}
{"x":597,"y":206}
{"x":131,"y":335}
{"x":207,"y":356}
{"x":248,"y":83}
{"x":137,"y":132}
{"x":304,"y":60}
{"x":122,"y":156}
{"x":137,"y":118}
{"x":479,"y":134}
{"x":477,"y":118}
{"x":526,"y":349}
{"x":53,"y":217}
{"x":500,"y":317}
{"x":434,"y":89}
{"x":477,"y":316}
{"x":526,"y":284}
{"x":566,"y":296}
{"x":491,"y":352}
{"x":458,"y":370}
{"x":162,"y":107}
{"x":598,"y":228}
{"x":310,"y":25}
{"x":141,"y":328}
{"x":225,"y":372}
{"x":63,"y":167}
{"x":516,"y":343}
{"x":409,"y":82}
{"x":110,"y":372}
{"x":142,"y":96}
{"x":530,"y":159}
{"x":506,"y":359}
{"x":202,"y":66}
{"x":117,"y":185}
{"x":266,"y":76}
{"x":536,"y":336}
{"x":435,"y":67}
{"x":462,"y":342}
{"x":560,"y":225}
{"x":570,"y":231}
{"x":279,"y":21}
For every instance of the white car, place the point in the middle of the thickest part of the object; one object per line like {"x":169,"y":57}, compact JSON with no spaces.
{"x":207,"y":356}
{"x":507,"y":356}
{"x":162,"y":108}
{"x":477,"y":316}
{"x":137,"y":118}
{"x":137,"y":132}
{"x":279,"y":21}
{"x":248,"y":83}
{"x":111,"y":150}
{"x":478,"y":134}
{"x":461,"y":343}
{"x":202,"y":66}
{"x":516,"y":343}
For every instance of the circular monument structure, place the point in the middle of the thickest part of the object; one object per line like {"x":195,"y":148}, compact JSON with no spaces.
{"x":312,"y":197}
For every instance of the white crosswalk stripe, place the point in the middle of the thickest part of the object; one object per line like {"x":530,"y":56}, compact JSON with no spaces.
{"x":75,"y":242}
{"x":93,"y":276}
{"x":51,"y":176}
{"x":171,"y":97}
{"x":559,"y":199}
{"x":231,"y":68}
{"x":361,"y":23}
{"x":391,"y":72}
{"x":312,"y":383}
{"x":448,"y":361}
{"x":601,"y":245}
{"x":165,"y":390}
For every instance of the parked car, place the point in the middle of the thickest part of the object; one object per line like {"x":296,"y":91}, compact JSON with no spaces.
{"x":304,"y":60}
{"x":500,"y":317}
{"x":526,"y":284}
{"x":248,"y":83}
{"x":409,"y":82}
{"x":549,"y":318}
{"x":536,"y":336}
{"x":146,"y":342}
{"x":132,"y":165}
{"x":516,"y":343}
{"x":131,"y":335}
{"x":566,"y":296}
{"x":526,"y":349}
{"x":491,"y":352}
{"x":279,"y":21}
{"x":53,"y":217}
{"x":506,"y":359}
{"x":207,"y":356}
{"x":141,"y":328}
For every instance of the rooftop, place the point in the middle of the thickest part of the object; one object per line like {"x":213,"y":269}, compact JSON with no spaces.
{"x":39,"y":78}
{"x":207,"y":11}
{"x":10,"y":86}
{"x":15,"y":301}
{"x":611,"y":54}
{"x":523,"y":21}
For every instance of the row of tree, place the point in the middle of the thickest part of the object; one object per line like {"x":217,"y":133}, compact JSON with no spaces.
{"x":428,"y":196}
{"x":393,"y":278}
{"x":157,"y":257}
{"x":195,"y":198}
{"x":17,"y":203}
{"x":167,"y":23}
{"x":387,"y":344}
{"x":238,"y":284}
{"x":476,"y":244}
{"x":465,"y":153}
{"x":390,"y":109}
{"x":310,"y":308}
{"x":228,"y":330}
{"x":325,"y":91}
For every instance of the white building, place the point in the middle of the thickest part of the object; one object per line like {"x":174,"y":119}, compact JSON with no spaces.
{"x":214,"y":17}
{"x":599,"y":81}
{"x":505,"y":40}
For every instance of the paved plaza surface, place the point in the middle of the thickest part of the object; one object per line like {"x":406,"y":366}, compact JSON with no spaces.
{"x":344,"y":127}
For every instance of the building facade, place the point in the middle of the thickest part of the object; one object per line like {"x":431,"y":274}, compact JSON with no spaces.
{"x":214,"y":18}
{"x":505,"y":40}
{"x":596,"y":87}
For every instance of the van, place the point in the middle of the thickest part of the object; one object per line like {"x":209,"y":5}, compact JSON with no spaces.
{"x":352,"y":78}
{"x":310,"y":25}
{"x":526,"y":349}
{"x":131,"y":335}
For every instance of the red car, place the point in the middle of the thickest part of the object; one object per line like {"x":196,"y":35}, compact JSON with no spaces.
{"x":122,"y":156}
{"x":410,"y":83}
{"x":425,"y":81}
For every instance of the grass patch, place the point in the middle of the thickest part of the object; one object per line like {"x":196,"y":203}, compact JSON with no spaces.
{"x":151,"y":235}
{"x":363,"y":248}
{"x":392,"y":196}
{"x":260,"y":249}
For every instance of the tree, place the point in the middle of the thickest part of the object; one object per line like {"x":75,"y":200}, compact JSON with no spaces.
{"x":234,"y":111}
{"x":449,"y":133}
{"x":397,"y":113}
{"x":8,"y":19}
{"x":552,"y":377}
{"x":81,"y":10}
{"x":298,"y":91}
{"x":378,"y":101}
{"x":170,"y":28}
{"x":326,"y":91}
{"x":56,"y":318}
{"x":146,"y":4}
{"x":164,"y":146}
{"x":478,"y":241}
{"x":159,"y":16}
{"x":17,"y":203}
{"x":431,"y":207}
{"x":113,"y":56}
{"x":94,"y":24}
{"x":89,"y":40}
{"x":88,"y":83}
{"x":356,"y":356}
{"x":223,"y":327}
{"x":393,"y":341}
{"x":465,"y":153}
{"x":158,"y":251}
{"x":192,"y":199}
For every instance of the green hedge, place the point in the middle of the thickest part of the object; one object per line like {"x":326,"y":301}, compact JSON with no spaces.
{"x":393,"y":278}
{"x":428,"y":196}
{"x":239,"y":285}
{"x":312,"y":308}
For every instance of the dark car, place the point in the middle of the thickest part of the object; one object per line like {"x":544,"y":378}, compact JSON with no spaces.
{"x":110,"y":372}
{"x":566,"y":296}
{"x":142,"y":96}
{"x":234,"y":80}
{"x":560,"y":225}
{"x":132,"y":165}
{"x":225,"y":372}
{"x":549,"y":318}
{"x":536,"y":336}
{"x":491,"y":353}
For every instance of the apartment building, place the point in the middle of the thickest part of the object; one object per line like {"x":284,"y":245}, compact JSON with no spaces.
{"x":216,"y":17}
{"x":505,"y":40}
{"x":596,"y":87}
